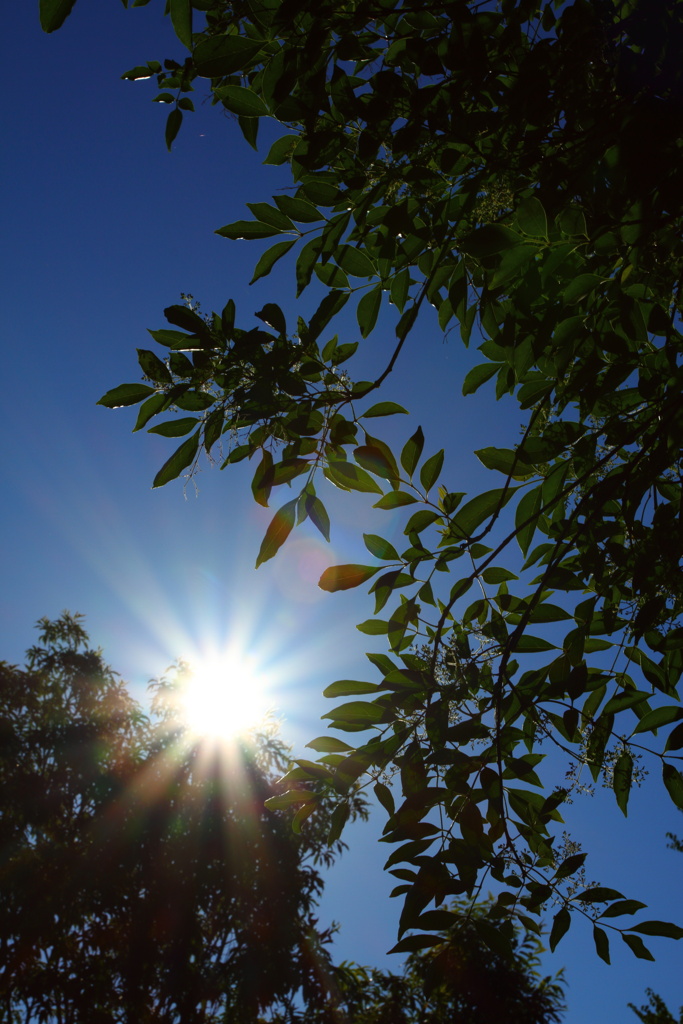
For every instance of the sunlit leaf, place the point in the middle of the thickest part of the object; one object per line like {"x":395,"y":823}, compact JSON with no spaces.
{"x":345,"y":577}
{"x":278,"y":531}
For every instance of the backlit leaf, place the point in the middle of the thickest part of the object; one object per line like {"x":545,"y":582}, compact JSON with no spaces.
{"x":220,"y":55}
{"x":384,"y":409}
{"x":125,"y":394}
{"x":175,"y":428}
{"x":345,"y":577}
{"x":368,"y":310}
{"x":179,"y":461}
{"x":431,"y":470}
{"x":270,"y":258}
{"x":278,"y":531}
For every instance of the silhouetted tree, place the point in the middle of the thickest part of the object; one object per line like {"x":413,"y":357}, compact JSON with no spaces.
{"x":142,"y":878}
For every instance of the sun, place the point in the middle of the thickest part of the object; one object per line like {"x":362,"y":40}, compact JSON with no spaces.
{"x":224,"y":697}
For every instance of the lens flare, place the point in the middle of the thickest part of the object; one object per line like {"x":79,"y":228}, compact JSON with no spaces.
{"x":223,"y":697}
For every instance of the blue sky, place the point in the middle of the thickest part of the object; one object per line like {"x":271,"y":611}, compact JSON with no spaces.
{"x":102,"y":229}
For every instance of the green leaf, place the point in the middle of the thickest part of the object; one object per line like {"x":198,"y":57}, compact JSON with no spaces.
{"x":533,"y":645}
{"x":241,"y":101}
{"x":385,"y":797}
{"x":317,"y":513}
{"x":302,"y":814}
{"x":474,"y":512}
{"x":356,"y":712}
{"x":221,"y":55}
{"x":601,"y":943}
{"x":331,"y":275}
{"x":181,"y":19}
{"x":305,"y":262}
{"x":299,"y":210}
{"x":660,"y":716}
{"x":338,"y":818}
{"x":621,"y":779}
{"x":271,"y":215}
{"x":354,"y":261}
{"x":125,"y":394}
{"x":663,"y":928}
{"x":349,"y":688}
{"x":350,"y":477}
{"x":477,"y":376}
{"x":152,"y":367}
{"x":175,"y":339}
{"x":270,"y":258}
{"x":580,"y":287}
{"x":373,"y":627}
{"x":674,"y":783}
{"x":194,"y":401}
{"x":526,"y":517}
{"x":570,"y":865}
{"x":368,"y":310}
{"x":175,"y":428}
{"x":395,"y":499}
{"x":272,"y":315}
{"x":598,"y":894}
{"x":384,"y":409}
{"x":380,"y":548}
{"x":281,"y":150}
{"x":148,"y":409}
{"x":572,"y":222}
{"x":248,"y":229}
{"x":173,"y":123}
{"x":345,"y":577}
{"x":506,"y":461}
{"x":419,"y":521}
{"x":431,"y":470}
{"x":278,"y":531}
{"x":376,"y":461}
{"x":490,"y":239}
{"x":531,"y":218}
{"x":561,"y":922}
{"x":637,"y":946}
{"x":53,"y":13}
{"x":180,"y":459}
{"x":285,"y":800}
{"x":329,"y":745}
{"x":496,"y":574}
{"x":623,"y":907}
{"x":412,"y":451}
{"x":414,"y":943}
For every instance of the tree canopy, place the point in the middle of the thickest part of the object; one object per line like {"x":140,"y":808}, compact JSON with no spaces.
{"x":515,"y":165}
{"x":143,"y":879}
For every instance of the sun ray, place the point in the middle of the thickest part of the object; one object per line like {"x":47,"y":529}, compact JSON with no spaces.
{"x":223,"y":697}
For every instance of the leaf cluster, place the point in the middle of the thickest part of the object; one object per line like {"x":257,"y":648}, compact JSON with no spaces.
{"x":428,"y":167}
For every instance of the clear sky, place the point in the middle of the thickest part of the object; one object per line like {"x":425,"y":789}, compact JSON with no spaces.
{"x":102,"y":228}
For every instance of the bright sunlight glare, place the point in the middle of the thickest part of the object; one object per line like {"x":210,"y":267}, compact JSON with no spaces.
{"x":224,"y":696}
